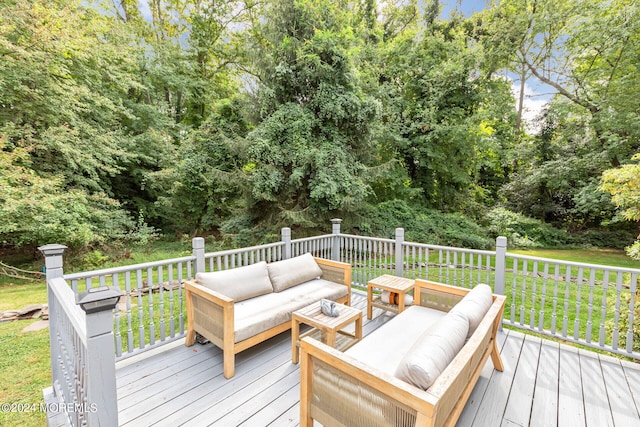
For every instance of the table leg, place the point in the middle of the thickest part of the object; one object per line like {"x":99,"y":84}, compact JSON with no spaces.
{"x":359,"y":328}
{"x":331,"y":338}
{"x":295,"y":336}
{"x":369,"y":301}
{"x":401,"y":296}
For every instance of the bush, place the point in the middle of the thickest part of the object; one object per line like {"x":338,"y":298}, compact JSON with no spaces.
{"x":522,"y":231}
{"x":423,"y":225}
{"x":617,"y":236}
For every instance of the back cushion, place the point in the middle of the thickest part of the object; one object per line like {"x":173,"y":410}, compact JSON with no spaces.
{"x":475,"y":305}
{"x":293,"y":271}
{"x":433,"y":351}
{"x":239,"y":283}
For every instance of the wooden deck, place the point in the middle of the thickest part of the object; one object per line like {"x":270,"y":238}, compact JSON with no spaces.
{"x":544,"y":384}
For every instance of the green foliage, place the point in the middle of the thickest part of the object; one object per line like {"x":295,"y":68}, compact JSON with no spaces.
{"x":310,"y":151}
{"x":522,"y":231}
{"x":94,"y":259}
{"x":234,"y":118}
{"x":36,"y":211}
{"x":450,"y":125}
{"x":423,"y":225}
{"x":202,"y":188}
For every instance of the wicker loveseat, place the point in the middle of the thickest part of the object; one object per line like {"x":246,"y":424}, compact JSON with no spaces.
{"x":238,"y":308}
{"x":418,"y":369}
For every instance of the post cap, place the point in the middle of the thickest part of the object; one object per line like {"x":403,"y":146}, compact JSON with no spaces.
{"x":52,"y":249}
{"x":336,"y":220}
{"x":103,"y":298}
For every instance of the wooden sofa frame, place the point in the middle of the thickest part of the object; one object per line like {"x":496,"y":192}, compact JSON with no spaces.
{"x":440,"y":405}
{"x":212,"y":314}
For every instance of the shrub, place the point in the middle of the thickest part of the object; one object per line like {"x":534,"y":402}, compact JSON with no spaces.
{"x":522,"y":231}
{"x":423,"y":225}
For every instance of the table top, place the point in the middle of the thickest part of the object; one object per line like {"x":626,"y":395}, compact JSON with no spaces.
{"x":392,"y":283}
{"x":312,"y":316}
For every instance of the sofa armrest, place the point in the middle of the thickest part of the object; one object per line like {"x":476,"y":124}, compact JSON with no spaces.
{"x":337,"y":272}
{"x":209,"y":313}
{"x":336,"y":388}
{"x":437,"y":295}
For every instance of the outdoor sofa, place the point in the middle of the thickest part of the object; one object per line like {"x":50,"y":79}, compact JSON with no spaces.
{"x":418,"y":369}
{"x":238,"y":308}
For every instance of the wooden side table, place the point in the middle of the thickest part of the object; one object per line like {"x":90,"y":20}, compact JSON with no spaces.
{"x":325,"y":328}
{"x":390,"y":283}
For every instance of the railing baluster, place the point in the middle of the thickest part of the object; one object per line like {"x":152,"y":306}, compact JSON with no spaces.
{"x":463,"y":265}
{"x":632,"y":301}
{"x":534,"y":296}
{"x":543,"y":296}
{"x":140,"y":312}
{"x":514,"y":287}
{"x":523,"y":300}
{"x":565,"y":317}
{"x":152,"y":325}
{"x":603,"y":308}
{"x":556,"y":278}
{"x":161,"y":304}
{"x":127,"y":286}
{"x":180,"y":297}
{"x":576,"y":322}
{"x":592,"y":281}
{"x":117,"y":333}
{"x":616,"y":318}
{"x":172,"y":326}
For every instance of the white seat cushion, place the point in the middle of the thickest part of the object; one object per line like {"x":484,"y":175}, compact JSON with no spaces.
{"x":474,"y":306}
{"x":433,"y":351}
{"x":239,"y":283}
{"x":293,"y":271}
{"x":386,"y":346}
{"x":264,"y":312}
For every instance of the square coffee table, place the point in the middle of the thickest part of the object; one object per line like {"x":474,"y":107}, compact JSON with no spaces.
{"x":387,"y":282}
{"x":325,"y":328}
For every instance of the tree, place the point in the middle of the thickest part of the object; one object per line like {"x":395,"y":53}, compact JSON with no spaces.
{"x":70,"y":116}
{"x":586,"y":52}
{"x":308,"y":156}
{"x":443,"y":111}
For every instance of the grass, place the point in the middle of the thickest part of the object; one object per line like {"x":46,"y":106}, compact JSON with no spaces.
{"x":25,"y":369}
{"x":614,"y":257}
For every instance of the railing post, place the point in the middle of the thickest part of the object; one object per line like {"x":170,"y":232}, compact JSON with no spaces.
{"x":53,"y":260}
{"x":335,"y":230}
{"x":100,"y":361}
{"x":501,"y":264}
{"x":197,"y":243}
{"x":399,"y":255}
{"x":286,"y":238}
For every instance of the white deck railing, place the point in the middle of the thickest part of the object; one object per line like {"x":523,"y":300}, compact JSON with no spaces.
{"x":82,"y":352}
{"x":590,"y":305}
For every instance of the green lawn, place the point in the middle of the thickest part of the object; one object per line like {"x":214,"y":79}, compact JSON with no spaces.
{"x":25,"y":369}
{"x":613,"y":257}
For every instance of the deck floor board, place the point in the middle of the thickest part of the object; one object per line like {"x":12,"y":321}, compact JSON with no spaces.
{"x":544,"y":384}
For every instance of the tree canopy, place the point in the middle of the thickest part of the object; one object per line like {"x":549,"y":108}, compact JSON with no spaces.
{"x":234,"y":118}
